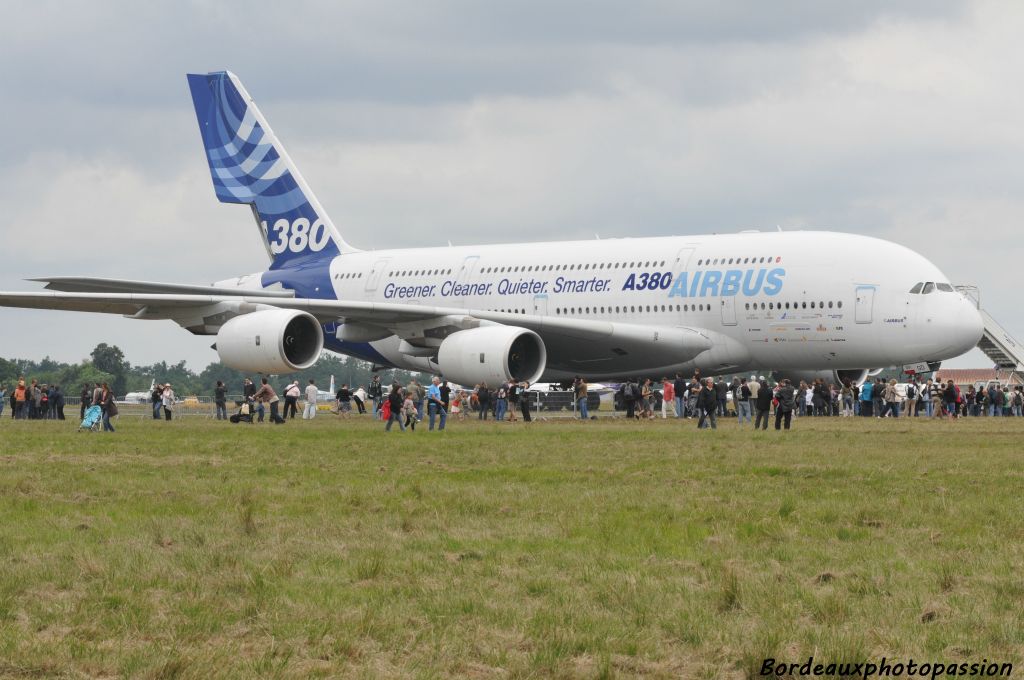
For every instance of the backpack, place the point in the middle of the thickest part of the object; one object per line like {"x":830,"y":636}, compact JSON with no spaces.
{"x":911,"y":391}
{"x":629,"y":391}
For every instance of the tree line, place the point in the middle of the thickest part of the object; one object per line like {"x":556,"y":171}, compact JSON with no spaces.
{"x":107,"y":363}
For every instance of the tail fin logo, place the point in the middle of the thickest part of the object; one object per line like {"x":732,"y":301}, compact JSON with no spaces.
{"x":297,"y":236}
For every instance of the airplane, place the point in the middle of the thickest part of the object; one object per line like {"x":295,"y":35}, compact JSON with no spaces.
{"x":140,"y":397}
{"x":804,"y":303}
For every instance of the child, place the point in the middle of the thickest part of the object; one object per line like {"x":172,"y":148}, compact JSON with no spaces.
{"x":457,"y":406}
{"x":409,"y":409}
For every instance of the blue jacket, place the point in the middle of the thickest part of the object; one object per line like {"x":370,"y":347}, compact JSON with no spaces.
{"x":865,"y":391}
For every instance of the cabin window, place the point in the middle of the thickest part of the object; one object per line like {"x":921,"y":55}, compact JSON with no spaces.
{"x":944,"y":287}
{"x":928,"y":288}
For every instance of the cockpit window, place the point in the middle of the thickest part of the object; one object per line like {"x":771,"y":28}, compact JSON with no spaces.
{"x":928,"y":288}
{"x":917,"y":288}
{"x":945,"y":287}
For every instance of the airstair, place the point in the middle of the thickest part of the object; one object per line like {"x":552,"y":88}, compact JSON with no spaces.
{"x":996,"y":343}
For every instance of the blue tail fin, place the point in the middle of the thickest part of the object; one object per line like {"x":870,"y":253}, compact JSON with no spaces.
{"x":249,"y":165}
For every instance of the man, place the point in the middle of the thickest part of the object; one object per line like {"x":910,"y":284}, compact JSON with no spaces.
{"x":376,"y":393}
{"x":483,"y":398}
{"x":878,"y":396}
{"x":291,"y":399}
{"x":309,"y":411}
{"x":763,"y":406}
{"x":344,"y":396}
{"x":248,"y":390}
{"x":668,"y":397}
{"x":911,"y":392}
{"x":220,"y":400}
{"x":722,"y":394}
{"x":446,"y":395}
{"x":784,"y":411}
{"x":156,"y":399}
{"x":266,"y":394}
{"x":435,"y":404}
{"x":692,"y":392}
{"x":708,"y":403}
{"x":679,"y":389}
{"x":741,"y":398}
{"x":580,"y":388}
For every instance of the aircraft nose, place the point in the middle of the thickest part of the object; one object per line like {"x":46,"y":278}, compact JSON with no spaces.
{"x":964,"y":328}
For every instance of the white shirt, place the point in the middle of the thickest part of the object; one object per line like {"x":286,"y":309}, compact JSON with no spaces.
{"x":311,"y":394}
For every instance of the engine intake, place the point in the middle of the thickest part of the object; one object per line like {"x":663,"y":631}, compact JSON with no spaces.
{"x":271,"y":341}
{"x":855,"y":376}
{"x":492,"y":354}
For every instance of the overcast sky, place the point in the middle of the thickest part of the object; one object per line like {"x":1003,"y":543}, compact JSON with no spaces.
{"x":419,"y":123}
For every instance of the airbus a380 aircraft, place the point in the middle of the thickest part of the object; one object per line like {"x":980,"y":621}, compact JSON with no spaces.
{"x":802,"y":303}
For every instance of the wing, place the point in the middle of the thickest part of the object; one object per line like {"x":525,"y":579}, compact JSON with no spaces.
{"x":584,"y":345}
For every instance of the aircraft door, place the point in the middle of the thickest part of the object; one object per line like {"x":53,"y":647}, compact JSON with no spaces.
{"x":729,"y":310}
{"x":540,"y":305}
{"x":865,"y":304}
{"x":375,"y":273}
{"x":464,"y":274}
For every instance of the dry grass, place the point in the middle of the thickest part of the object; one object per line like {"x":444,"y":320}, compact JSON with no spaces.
{"x":602,"y":549}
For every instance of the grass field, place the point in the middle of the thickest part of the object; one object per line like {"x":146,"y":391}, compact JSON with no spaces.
{"x":602,"y":549}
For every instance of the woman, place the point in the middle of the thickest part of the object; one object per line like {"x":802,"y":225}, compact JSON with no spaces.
{"x":524,"y":400}
{"x":513,"y":400}
{"x":167,"y":399}
{"x":220,"y":400}
{"x":395,"y":402}
{"x":647,"y":400}
{"x":267,"y":394}
{"x":21,"y":397}
{"x":891,"y":400}
{"x":847,"y":396}
{"x":108,"y":406}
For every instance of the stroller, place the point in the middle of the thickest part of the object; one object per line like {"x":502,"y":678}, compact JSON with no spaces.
{"x":91,"y":422}
{"x":244,"y":414}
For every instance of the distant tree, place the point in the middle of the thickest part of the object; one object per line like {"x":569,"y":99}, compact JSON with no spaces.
{"x":110,"y":359}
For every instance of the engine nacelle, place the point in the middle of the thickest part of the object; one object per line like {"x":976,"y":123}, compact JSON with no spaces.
{"x":855,"y":376}
{"x":271,"y":341}
{"x":492,"y":354}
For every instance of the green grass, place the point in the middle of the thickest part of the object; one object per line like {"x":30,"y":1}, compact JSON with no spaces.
{"x":602,"y":549}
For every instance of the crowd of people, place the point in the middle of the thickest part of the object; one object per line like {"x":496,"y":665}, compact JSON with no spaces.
{"x":754,"y":400}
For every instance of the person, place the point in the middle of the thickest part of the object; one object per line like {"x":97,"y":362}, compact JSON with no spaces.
{"x":722,"y":394}
{"x":156,"y":400}
{"x":708,"y":403}
{"x":878,"y":396}
{"x":266,"y":394}
{"x":668,"y":397}
{"x":784,"y":411}
{"x":14,"y":405}
{"x":762,"y":406}
{"x":513,"y":399}
{"x":741,"y":399}
{"x":35,"y":397}
{"x":950,"y":395}
{"x":291,"y":400}
{"x":500,"y":401}
{"x":416,"y":392}
{"x":395,"y":401}
{"x":691,"y":400}
{"x":409,"y":411}
{"x":376,"y":393}
{"x":483,"y":395}
{"x":458,"y":405}
{"x":108,"y":406}
{"x":3,"y":399}
{"x":524,"y":401}
{"x":647,"y":399}
{"x":1018,"y":402}
{"x":847,"y":396}
{"x":435,"y":404}
{"x":220,"y":400}
{"x":83,"y":401}
{"x":891,"y":398}
{"x":359,"y":397}
{"x":911,"y":403}
{"x":865,"y":398}
{"x":446,"y":395}
{"x":935,"y":398}
{"x":345,"y":397}
{"x":309,"y":411}
{"x":679,"y":390}
{"x":248,"y":390}
{"x":58,"y":402}
{"x":21,"y":399}
{"x":579,"y":387}
{"x":167,"y":398}
{"x":630,"y":393}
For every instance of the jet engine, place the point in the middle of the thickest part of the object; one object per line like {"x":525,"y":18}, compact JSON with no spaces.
{"x":271,"y":341}
{"x":492,"y":354}
{"x":855,"y":376}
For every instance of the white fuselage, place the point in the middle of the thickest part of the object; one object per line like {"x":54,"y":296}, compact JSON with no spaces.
{"x":780,"y":300}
